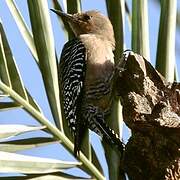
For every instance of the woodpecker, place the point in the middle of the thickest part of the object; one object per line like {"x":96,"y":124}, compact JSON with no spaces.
{"x":86,"y":71}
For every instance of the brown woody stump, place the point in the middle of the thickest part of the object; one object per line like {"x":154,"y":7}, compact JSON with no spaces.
{"x":151,"y":109}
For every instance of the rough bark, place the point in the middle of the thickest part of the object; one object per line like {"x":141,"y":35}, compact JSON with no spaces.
{"x":151,"y":109}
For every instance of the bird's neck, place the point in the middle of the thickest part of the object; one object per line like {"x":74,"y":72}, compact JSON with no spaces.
{"x":107,"y":41}
{"x":98,"y":50}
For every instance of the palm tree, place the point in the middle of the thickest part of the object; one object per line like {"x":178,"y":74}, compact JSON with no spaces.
{"x":41,"y":44}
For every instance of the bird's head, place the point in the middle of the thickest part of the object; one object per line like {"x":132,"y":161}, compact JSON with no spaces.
{"x":89,"y":22}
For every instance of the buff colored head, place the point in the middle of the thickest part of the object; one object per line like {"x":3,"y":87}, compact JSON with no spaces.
{"x":89,"y":22}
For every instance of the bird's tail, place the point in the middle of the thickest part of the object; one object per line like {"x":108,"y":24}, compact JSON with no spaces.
{"x":78,"y":137}
{"x":97,"y":124}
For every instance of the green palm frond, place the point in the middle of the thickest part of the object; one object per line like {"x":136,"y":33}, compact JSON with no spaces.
{"x":40,"y":42}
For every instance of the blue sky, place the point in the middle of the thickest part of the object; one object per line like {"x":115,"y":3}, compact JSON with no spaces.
{"x":32,"y":78}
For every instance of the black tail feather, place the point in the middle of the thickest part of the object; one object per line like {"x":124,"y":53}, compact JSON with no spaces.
{"x":109,"y":136}
{"x":97,"y":124}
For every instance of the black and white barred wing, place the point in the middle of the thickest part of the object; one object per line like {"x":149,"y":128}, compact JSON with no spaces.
{"x":71,"y":74}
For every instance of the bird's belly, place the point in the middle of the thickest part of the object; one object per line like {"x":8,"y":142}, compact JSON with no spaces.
{"x":98,"y":85}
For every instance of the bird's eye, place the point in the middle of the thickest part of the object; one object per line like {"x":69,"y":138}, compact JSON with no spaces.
{"x":86,"y":17}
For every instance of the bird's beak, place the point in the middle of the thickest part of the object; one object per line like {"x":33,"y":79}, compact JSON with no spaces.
{"x":68,"y":17}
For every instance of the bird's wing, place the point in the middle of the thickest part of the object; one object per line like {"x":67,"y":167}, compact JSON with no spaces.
{"x":71,"y":75}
